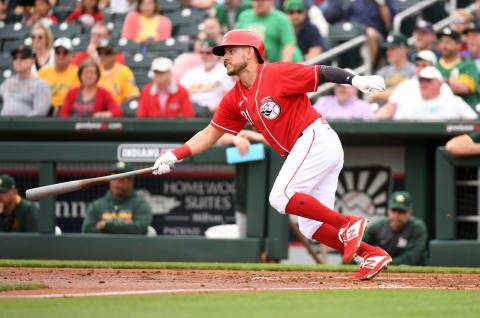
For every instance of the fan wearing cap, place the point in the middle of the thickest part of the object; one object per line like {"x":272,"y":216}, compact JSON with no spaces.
{"x":461,"y":74}
{"x":208,"y":82}
{"x":434,"y":103}
{"x":117,"y":78}
{"x":164,"y":97}
{"x":308,"y":37}
{"x":402,"y":235}
{"x":121,"y":210}
{"x":228,"y":12}
{"x":62,"y":75}
{"x":473,"y":43}
{"x":23,"y":94}
{"x":424,"y":38}
{"x":398,"y":68}
{"x":87,"y":14}
{"x":89,"y":100}
{"x":274,"y":27}
{"x":16,"y":213}
{"x":41,"y":13}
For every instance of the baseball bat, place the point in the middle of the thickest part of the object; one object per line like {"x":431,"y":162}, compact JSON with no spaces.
{"x":70,"y":186}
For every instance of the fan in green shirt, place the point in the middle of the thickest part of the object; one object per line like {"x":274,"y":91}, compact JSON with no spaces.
{"x":16,"y":214}
{"x":121,"y":210}
{"x":403,"y":236}
{"x":275,"y":29}
{"x":228,"y":12}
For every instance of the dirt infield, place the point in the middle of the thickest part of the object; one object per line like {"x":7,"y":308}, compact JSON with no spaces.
{"x":96,"y":282}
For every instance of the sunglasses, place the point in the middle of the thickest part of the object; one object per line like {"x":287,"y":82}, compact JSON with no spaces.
{"x":295,"y":11}
{"x":424,"y":80}
{"x":38,"y":36}
{"x":399,"y":211}
{"x":104,"y":51}
{"x":61,"y":52}
{"x":21,"y":57}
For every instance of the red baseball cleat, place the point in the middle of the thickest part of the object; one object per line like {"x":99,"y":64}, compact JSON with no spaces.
{"x":372,"y":264}
{"x":351,"y":236}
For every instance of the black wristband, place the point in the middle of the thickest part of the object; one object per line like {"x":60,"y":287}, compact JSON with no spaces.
{"x":334,"y":75}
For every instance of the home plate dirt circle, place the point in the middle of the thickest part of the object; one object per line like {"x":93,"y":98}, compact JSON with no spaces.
{"x":72,"y":282}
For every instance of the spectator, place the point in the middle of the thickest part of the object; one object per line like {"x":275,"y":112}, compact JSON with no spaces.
{"x":208,"y":82}
{"x":89,"y":100}
{"x":87,"y":14}
{"x":42,"y":44}
{"x":424,"y":39}
{"x":41,"y":13}
{"x":275,"y":29}
{"x":16,"y":214}
{"x":118,"y":79}
{"x":398,"y":68}
{"x":461,"y":74}
{"x":211,"y":30}
{"x":473,"y":44}
{"x":203,"y":4}
{"x":462,"y":19}
{"x":23,"y":94}
{"x":146,"y":24}
{"x":308,"y":37}
{"x":345,"y":104}
{"x":228,"y":12}
{"x":118,"y":6}
{"x":98,"y":32}
{"x":164,"y":97}
{"x":430,"y":102}
{"x":62,"y":75}
{"x":121,"y":210}
{"x":183,"y":63}
{"x":377,"y":17}
{"x":401,"y":235}
{"x":465,"y":145}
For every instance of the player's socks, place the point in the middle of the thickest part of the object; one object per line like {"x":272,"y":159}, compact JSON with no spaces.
{"x":365,"y":249}
{"x":306,"y":206}
{"x":328,"y":235}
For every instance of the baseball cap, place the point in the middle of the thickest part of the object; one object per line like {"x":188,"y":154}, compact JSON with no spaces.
{"x":395,"y":40}
{"x":430,"y":72}
{"x":64,"y":42}
{"x":26,"y":51}
{"x":295,"y":5}
{"x":424,"y":25}
{"x":450,"y":33}
{"x":161,"y":64}
{"x":474,"y":27}
{"x":120,"y":167}
{"x":7,"y":183}
{"x":427,"y":55}
{"x":400,"y":200}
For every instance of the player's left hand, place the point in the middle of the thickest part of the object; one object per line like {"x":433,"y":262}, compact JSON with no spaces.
{"x":164,"y":163}
{"x":368,"y":83}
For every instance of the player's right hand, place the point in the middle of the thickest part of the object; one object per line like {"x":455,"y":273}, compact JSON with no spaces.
{"x":164,"y":163}
{"x":366,"y":84}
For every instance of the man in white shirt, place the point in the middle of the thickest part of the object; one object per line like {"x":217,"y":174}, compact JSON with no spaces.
{"x":208,"y":82}
{"x":430,"y":102}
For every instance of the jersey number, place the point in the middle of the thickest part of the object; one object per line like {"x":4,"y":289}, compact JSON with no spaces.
{"x":247,"y":117}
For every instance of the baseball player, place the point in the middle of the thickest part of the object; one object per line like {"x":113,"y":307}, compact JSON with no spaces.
{"x":272,"y":98}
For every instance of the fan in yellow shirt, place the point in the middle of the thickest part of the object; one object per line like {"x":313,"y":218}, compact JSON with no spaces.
{"x":62,"y":75}
{"x":117,"y":78}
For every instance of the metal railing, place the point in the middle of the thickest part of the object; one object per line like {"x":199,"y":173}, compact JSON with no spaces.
{"x":397,"y":21}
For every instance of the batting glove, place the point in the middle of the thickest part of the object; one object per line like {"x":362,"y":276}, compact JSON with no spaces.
{"x":164,"y":163}
{"x":367,"y":83}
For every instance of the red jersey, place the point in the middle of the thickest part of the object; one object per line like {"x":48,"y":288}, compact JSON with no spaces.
{"x":276,"y":104}
{"x":178,"y":103}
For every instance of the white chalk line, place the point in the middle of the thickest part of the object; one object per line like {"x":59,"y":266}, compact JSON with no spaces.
{"x":207,"y":290}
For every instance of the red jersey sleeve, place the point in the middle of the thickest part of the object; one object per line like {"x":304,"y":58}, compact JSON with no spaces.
{"x":294,"y":79}
{"x":228,"y":118}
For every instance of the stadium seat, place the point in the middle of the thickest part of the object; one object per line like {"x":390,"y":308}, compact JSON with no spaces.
{"x":15,"y":30}
{"x":344,"y":31}
{"x":119,"y":17}
{"x":142,"y":77}
{"x":10,"y":45}
{"x":80,"y":42}
{"x":129,"y":108}
{"x":186,"y":17}
{"x":66,"y":4}
{"x":139,"y":60}
{"x":116,"y":28}
{"x":65,"y":29}
{"x":170,"y":48}
{"x":126,"y":45}
{"x":190,"y":30}
{"x":168,"y":5}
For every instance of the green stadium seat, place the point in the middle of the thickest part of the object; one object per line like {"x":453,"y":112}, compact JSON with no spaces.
{"x":65,"y":29}
{"x":139,"y":60}
{"x":126,"y":45}
{"x":15,"y":30}
{"x":168,"y":5}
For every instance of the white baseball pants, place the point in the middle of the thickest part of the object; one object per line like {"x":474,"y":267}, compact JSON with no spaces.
{"x":312,"y":167}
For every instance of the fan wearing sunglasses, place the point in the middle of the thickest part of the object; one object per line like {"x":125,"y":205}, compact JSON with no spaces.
{"x":42,"y":44}
{"x":62,"y":75}
{"x":23,"y":94}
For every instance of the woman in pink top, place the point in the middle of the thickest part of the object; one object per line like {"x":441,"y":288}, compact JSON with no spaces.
{"x":145,"y":24}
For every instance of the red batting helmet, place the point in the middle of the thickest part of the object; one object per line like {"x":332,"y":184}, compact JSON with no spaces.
{"x":242,"y":38}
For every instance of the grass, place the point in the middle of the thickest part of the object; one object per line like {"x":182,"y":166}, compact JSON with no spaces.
{"x":226,"y":266}
{"x":9,"y":287}
{"x":337,"y":303}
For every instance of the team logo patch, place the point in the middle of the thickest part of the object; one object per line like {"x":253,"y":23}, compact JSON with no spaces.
{"x":270,"y":109}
